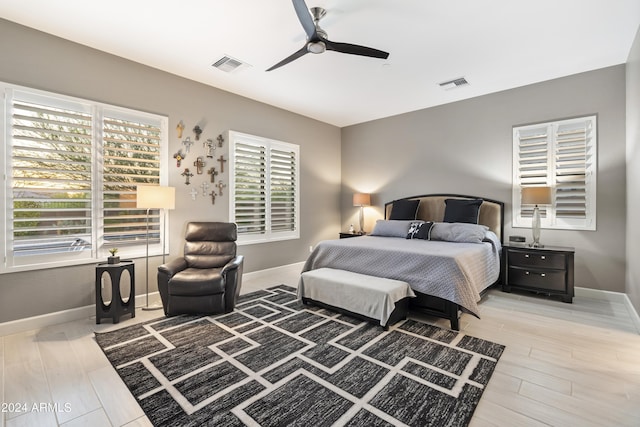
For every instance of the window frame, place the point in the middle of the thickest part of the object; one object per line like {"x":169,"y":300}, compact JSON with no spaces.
{"x":549,"y":215}
{"x":269,"y":235}
{"x":99,"y":248}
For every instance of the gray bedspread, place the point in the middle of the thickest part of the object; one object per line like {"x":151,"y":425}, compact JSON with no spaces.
{"x":457,"y":272}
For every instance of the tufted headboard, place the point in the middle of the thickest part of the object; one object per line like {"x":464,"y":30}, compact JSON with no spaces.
{"x":432,"y":207}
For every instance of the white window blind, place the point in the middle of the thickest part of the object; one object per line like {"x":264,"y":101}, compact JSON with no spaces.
{"x":265,"y":188}
{"x":72,"y":169}
{"x":131,"y":157}
{"x":560,"y":155}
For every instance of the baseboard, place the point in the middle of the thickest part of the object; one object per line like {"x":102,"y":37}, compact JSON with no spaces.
{"x":49,"y":319}
{"x":38,"y":322}
{"x":618,"y":297}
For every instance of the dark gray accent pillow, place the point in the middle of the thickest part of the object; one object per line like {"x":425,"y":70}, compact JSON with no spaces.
{"x":404,"y":209}
{"x":420,"y":230}
{"x":461,"y":210}
{"x":391,"y":228}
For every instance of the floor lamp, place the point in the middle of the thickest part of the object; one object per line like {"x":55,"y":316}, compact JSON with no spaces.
{"x":361,"y":199}
{"x":155,"y":197}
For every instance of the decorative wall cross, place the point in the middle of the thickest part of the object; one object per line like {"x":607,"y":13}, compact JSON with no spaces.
{"x":205,"y":187}
{"x":179,"y":157}
{"x":187,"y":144}
{"x":213,"y":172}
{"x":220,"y":140}
{"x":180,"y":128}
{"x":187,"y":174}
{"x":193,"y":193}
{"x":222,"y":161}
{"x":213,"y":197}
{"x":199,"y":164}
{"x":197,"y":131}
{"x":210,"y":146}
{"x":220,"y":186}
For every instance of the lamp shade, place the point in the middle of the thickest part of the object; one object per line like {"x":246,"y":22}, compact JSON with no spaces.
{"x":536,"y":195}
{"x":155,"y":197}
{"x":361,"y":199}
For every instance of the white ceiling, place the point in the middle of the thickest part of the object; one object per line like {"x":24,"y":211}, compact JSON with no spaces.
{"x":495,"y":44}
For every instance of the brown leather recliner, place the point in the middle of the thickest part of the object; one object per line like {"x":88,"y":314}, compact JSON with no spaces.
{"x":208,"y":278}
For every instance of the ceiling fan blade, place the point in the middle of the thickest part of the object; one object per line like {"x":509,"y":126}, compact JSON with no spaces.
{"x":290,"y":58}
{"x":354,"y":49}
{"x":305,"y":18}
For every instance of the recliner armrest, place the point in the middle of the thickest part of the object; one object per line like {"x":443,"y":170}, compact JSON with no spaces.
{"x":234,"y":264}
{"x":172,"y":267}
{"x":232,"y":273}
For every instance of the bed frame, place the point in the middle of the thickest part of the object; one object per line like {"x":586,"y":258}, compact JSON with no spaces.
{"x":431,"y":208}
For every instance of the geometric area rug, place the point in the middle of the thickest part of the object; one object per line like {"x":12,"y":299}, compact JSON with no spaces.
{"x":276,"y":362}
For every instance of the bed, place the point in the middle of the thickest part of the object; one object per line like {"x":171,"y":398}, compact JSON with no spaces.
{"x":447,"y":273}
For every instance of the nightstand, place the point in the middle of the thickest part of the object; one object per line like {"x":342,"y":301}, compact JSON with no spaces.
{"x":546,"y":270}
{"x":346,"y":235}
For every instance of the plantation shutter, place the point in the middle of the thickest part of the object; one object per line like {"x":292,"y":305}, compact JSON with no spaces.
{"x":265,"y":188}
{"x":51,"y":164}
{"x":283,"y":190}
{"x":561,"y":155}
{"x":573,"y":162}
{"x":131,"y":157}
{"x":533,"y":162}
{"x":250,"y":192}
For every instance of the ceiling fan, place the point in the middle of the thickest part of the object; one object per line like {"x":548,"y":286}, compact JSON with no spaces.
{"x":317,"y":41}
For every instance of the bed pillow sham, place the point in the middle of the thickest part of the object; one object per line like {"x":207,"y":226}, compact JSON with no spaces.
{"x":458,"y":232}
{"x":404,"y":209}
{"x":392,"y":228}
{"x":461,"y":210}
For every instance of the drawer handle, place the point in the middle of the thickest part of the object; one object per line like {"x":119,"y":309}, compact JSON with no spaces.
{"x":526,"y":255}
{"x":543,"y":257}
{"x":526,"y":272}
{"x":542,"y":275}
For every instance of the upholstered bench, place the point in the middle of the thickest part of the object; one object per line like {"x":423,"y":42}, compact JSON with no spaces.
{"x":372,"y":298}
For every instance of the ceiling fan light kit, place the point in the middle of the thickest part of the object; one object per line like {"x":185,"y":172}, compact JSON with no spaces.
{"x":317,"y":41}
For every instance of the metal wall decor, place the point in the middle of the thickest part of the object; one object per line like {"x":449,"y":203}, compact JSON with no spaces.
{"x":179,"y":158}
{"x":222,"y":161}
{"x":213,"y":197}
{"x":187,"y":144}
{"x":180,"y":128}
{"x":213,"y":172}
{"x":221,"y":186}
{"x":204,"y":187}
{"x":210,"y":146}
{"x":220,"y":140}
{"x":197,"y":131}
{"x":187,"y":174}
{"x":194,"y":193}
{"x":199,"y":164}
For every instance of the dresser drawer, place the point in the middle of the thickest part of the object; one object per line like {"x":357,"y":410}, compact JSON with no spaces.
{"x":537,"y":259}
{"x":553,"y":280}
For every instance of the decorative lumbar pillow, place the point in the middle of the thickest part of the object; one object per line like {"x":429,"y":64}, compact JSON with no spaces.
{"x":458,"y":232}
{"x":404,"y":209}
{"x":420,"y":230}
{"x":461,"y":210}
{"x":391,"y":228}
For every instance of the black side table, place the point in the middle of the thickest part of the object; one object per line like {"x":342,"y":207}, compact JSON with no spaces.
{"x":117,"y":307}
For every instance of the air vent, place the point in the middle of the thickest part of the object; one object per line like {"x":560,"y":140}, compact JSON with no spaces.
{"x":229,"y":64}
{"x":452,"y":84}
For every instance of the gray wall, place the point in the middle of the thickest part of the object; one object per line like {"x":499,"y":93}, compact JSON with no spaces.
{"x":466,"y":148}
{"x":41,"y":61}
{"x":633,"y":173}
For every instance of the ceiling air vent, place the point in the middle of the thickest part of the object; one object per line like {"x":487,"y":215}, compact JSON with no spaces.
{"x":229,"y":64}
{"x":452,"y":84}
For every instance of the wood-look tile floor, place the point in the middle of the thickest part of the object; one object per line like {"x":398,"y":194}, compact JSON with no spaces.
{"x":564,"y":365}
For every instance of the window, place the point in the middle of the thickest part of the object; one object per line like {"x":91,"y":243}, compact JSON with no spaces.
{"x":264,"y":189}
{"x":560,"y":155}
{"x":72,"y":169}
